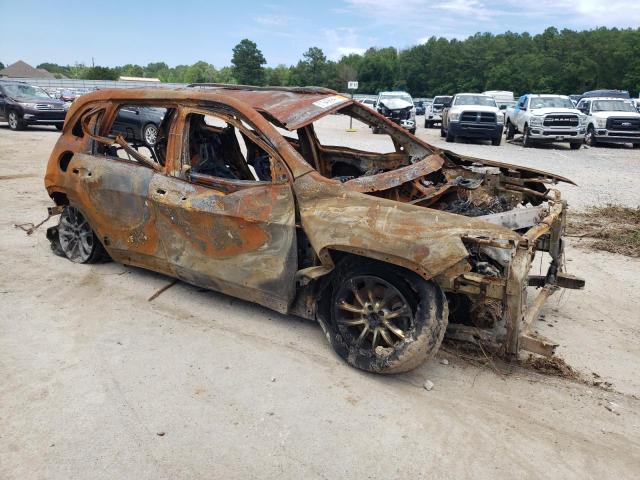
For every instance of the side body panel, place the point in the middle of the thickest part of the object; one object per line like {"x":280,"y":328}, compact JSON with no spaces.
{"x":112,"y":195}
{"x":242,"y":242}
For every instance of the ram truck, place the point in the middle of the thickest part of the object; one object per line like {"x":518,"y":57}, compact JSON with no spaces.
{"x":546,"y":118}
{"x":433,"y":113}
{"x":472,"y":115}
{"x":610,"y":120}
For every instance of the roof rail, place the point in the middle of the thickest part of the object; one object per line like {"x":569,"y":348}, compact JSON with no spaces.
{"x":230,"y":86}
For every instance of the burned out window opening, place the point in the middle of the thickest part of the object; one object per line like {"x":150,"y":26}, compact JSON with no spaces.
{"x":229,"y":148}
{"x":145,"y":130}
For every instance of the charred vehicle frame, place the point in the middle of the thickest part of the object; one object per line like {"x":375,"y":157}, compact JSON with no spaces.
{"x":386,"y":250}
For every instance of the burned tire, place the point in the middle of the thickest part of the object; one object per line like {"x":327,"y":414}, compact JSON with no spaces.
{"x":77,"y":240}
{"x":384,"y":319}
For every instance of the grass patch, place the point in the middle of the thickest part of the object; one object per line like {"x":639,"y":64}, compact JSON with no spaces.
{"x":612,"y":228}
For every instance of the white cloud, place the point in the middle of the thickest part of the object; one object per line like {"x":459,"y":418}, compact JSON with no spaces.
{"x":465,"y":17}
{"x":273,"y":20}
{"x":339,"y":42}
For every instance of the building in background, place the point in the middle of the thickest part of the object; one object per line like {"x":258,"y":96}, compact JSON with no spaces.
{"x":22,"y":69}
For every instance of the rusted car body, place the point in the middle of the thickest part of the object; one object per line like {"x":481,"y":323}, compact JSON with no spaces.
{"x":465,"y":227}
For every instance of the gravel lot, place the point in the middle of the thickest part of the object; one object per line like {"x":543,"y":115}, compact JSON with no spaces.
{"x":97,"y":382}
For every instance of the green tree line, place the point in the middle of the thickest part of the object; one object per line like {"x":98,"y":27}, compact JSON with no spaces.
{"x":554,"y":61}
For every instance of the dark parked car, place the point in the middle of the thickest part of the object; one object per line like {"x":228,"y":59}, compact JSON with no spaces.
{"x":22,"y":104}
{"x":139,"y":125}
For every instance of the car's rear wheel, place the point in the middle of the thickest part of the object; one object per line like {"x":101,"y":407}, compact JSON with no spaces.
{"x":15,"y":121}
{"x":77,"y":240}
{"x":384,"y":319}
{"x":150,"y":134}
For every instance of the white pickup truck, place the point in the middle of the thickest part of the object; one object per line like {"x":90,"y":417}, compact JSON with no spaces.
{"x":610,"y":120}
{"x":546,"y":118}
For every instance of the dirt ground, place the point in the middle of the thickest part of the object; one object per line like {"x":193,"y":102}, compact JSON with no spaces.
{"x":97,"y":382}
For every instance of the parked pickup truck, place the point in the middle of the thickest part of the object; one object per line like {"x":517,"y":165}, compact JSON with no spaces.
{"x":472,"y":115}
{"x":611,"y":120}
{"x":546,"y":118}
{"x":433,"y":113}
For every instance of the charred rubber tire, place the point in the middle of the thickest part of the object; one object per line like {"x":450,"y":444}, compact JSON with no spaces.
{"x":384,"y":319}
{"x":511,"y":131}
{"x":15,"y":121}
{"x":526,"y":139}
{"x":496,"y":141}
{"x":575,"y":145}
{"x":77,"y":240}
{"x":590,"y":137}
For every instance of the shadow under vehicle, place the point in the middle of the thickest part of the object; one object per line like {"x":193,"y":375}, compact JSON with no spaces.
{"x":240,"y":194}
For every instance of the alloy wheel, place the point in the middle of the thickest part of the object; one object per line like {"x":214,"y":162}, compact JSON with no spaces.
{"x":76,"y":237}
{"x":371,"y":312}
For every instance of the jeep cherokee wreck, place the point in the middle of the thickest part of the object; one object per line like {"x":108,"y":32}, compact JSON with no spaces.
{"x":238,"y":194}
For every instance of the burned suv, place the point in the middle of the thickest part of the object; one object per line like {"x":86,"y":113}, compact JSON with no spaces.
{"x":241,"y":194}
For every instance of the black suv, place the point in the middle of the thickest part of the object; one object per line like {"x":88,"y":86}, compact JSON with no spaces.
{"x":22,"y":104}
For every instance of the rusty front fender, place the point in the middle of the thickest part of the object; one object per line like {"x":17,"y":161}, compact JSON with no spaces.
{"x":424,"y":240}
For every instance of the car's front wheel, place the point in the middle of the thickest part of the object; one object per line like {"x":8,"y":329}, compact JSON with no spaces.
{"x":384,"y":319}
{"x":511,"y":131}
{"x":450,"y":137}
{"x":77,"y":240}
{"x":15,"y":121}
{"x":526,"y":137}
{"x":590,"y":137}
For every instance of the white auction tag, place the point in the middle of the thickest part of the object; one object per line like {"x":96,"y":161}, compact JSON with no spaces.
{"x":330,"y":101}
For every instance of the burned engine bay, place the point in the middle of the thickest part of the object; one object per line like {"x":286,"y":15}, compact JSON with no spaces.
{"x":480,"y":289}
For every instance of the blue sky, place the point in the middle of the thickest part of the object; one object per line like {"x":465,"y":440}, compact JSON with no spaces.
{"x":181,"y":32}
